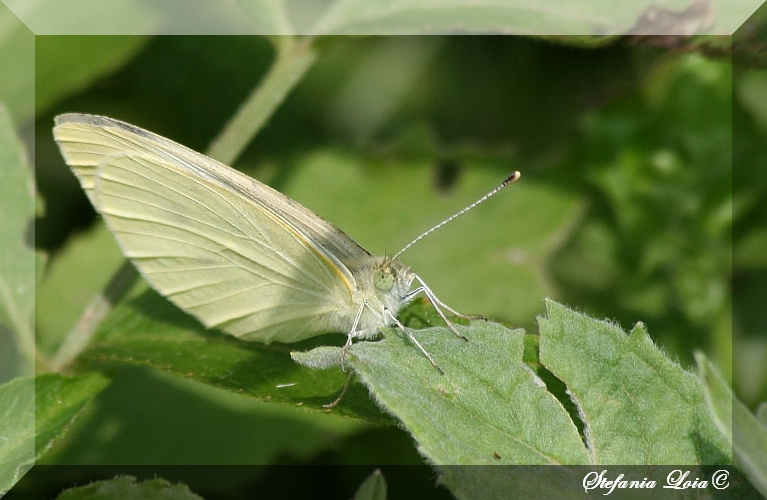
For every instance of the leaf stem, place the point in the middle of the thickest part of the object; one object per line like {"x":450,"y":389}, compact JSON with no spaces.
{"x":94,"y":313}
{"x":293,"y":59}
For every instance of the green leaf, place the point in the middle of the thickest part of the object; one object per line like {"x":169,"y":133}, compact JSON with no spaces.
{"x":36,"y":411}
{"x":127,"y":488}
{"x":513,"y":483}
{"x":582,"y":17}
{"x":637,"y":406}
{"x":746,"y":435}
{"x":58,"y":401}
{"x":17,"y":51}
{"x":374,"y":488}
{"x":520,"y":17}
{"x":17,"y":428}
{"x":320,"y":358}
{"x":633,"y":404}
{"x":131,"y":17}
{"x":488,"y":403}
{"x":17,"y":257}
{"x":49,"y":17}
{"x":153,"y":406}
{"x":149,"y":331}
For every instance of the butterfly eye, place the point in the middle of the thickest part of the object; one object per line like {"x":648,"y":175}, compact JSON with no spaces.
{"x":383,"y":280}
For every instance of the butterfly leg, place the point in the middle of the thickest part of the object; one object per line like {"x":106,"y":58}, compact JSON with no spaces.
{"x":412,"y":339}
{"x":349,"y":374}
{"x":456,"y":313}
{"x":332,"y":404}
{"x":434,"y":299}
{"x":353,"y":333}
{"x":350,"y":336}
{"x":438,"y":305}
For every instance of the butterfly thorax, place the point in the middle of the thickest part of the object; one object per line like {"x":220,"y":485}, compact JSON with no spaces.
{"x":382,"y":284}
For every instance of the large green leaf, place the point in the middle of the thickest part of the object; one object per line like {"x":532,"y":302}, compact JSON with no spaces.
{"x":34,"y":412}
{"x":637,"y":405}
{"x":744,"y":433}
{"x":18,"y":260}
{"x":584,"y":17}
{"x":374,"y":488}
{"x":149,"y":331}
{"x":127,"y":488}
{"x":487,"y":408}
{"x":632,"y":403}
{"x":17,"y":428}
{"x":17,"y":51}
{"x":58,"y":401}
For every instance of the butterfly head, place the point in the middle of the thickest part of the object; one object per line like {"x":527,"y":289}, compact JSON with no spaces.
{"x":391,"y":278}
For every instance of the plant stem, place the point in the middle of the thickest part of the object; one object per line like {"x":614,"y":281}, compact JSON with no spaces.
{"x":293,"y":59}
{"x":94,"y":313}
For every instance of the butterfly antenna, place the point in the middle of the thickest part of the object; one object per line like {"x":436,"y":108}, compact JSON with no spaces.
{"x":513,"y":177}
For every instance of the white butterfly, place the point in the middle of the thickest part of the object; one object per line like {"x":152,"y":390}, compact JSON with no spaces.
{"x":231,"y":251}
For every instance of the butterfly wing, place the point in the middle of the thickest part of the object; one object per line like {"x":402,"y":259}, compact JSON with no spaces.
{"x":229,"y":250}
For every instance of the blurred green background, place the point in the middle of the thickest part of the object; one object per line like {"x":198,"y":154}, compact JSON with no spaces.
{"x":627,"y":208}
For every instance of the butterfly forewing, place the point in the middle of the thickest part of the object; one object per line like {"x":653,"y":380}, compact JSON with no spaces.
{"x":219,"y":253}
{"x":86,"y":139}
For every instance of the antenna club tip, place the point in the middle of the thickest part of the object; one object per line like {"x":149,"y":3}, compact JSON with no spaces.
{"x":513,"y":177}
